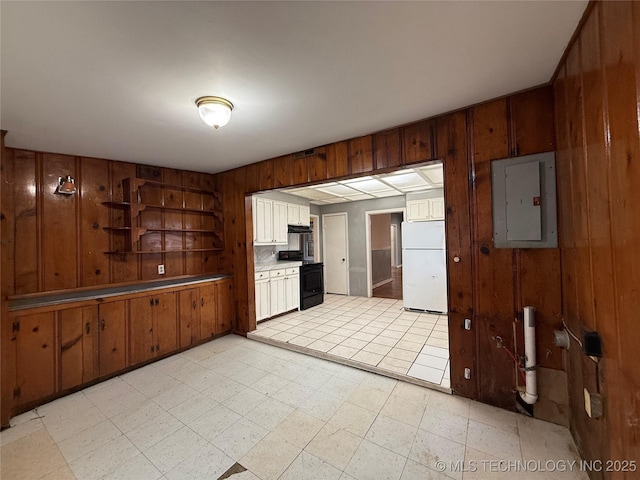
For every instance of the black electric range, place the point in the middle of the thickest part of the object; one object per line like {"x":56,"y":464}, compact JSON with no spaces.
{"x":311,"y":278}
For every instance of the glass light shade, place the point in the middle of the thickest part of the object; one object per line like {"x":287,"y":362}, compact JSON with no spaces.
{"x":214,"y":111}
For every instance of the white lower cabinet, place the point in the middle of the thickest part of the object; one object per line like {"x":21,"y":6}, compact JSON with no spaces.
{"x":277,"y":291}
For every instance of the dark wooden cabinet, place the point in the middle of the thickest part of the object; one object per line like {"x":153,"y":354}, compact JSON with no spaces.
{"x":78,"y":346}
{"x":208,"y":310}
{"x":152,"y":327}
{"x":226,"y":311}
{"x":112,"y":325}
{"x":34,"y":338}
{"x":189,"y":317}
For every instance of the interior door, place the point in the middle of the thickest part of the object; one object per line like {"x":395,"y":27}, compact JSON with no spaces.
{"x":336,"y":260}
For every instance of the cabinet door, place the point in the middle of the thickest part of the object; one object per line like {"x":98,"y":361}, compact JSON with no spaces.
{"x":112,"y":337}
{"x":436,"y":208}
{"x":417,"y":210}
{"x":188,"y":312}
{"x":166,"y":324}
{"x":254,"y":218}
{"x":305,"y":215}
{"x":141,"y":338}
{"x":293,"y":292}
{"x":208,"y":310}
{"x":226,"y":312}
{"x":78,"y":347}
{"x":264,"y":220}
{"x":293,"y":214}
{"x":278,"y":296}
{"x":280,"y":223}
{"x":35,"y":357}
{"x":263,"y":300}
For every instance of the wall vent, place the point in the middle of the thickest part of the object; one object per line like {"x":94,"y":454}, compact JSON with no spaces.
{"x":305,"y":153}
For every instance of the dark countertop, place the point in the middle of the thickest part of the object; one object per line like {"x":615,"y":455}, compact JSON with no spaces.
{"x":48,"y":299}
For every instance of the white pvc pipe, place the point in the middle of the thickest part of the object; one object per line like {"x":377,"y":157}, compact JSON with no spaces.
{"x":530,"y":395}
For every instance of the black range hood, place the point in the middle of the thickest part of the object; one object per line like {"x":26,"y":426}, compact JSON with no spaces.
{"x":299,"y":229}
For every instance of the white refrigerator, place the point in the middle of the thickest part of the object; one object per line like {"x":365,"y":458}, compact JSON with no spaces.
{"x":424,"y":266}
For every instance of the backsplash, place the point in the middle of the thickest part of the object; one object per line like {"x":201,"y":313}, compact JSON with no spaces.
{"x":269,"y":253}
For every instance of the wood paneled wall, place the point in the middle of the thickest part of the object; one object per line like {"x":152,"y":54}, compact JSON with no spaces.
{"x":55,"y":242}
{"x":488,"y":285}
{"x":597,"y":94}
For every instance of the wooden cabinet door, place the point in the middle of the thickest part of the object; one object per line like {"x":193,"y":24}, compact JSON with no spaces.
{"x":226,"y":313}
{"x":141,"y":336}
{"x":35,"y":357}
{"x":78,"y":346}
{"x":166,"y":324}
{"x":263,"y":300}
{"x":188,"y":317}
{"x":208,"y":310}
{"x":112,"y":334}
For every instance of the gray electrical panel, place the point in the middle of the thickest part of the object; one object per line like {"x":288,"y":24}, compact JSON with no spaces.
{"x":524,"y":202}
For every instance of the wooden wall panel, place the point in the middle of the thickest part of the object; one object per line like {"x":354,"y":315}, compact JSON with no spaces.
{"x":360,"y":154}
{"x":452,"y":143}
{"x":59,"y":225}
{"x":267,"y":180}
{"x":597,"y":129}
{"x":299,"y":171}
{"x":123,"y":267}
{"x":93,"y":189}
{"x":26,"y":259}
{"x":386,"y":149}
{"x":417,"y":142}
{"x":318,"y":165}
{"x":282,"y":171}
{"x":532,"y":122}
{"x":337,"y":160}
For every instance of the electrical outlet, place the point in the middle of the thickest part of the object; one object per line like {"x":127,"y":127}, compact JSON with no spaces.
{"x":160,"y":269}
{"x":467,"y":373}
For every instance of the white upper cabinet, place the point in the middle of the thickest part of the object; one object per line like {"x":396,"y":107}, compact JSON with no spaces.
{"x":298,"y":214}
{"x":269,"y":222}
{"x":425,"y":209}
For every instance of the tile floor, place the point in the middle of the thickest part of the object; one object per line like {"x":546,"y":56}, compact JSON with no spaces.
{"x":375,"y":334}
{"x":280,"y":415}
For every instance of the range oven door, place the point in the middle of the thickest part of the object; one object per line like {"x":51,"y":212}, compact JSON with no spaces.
{"x":311,"y":285}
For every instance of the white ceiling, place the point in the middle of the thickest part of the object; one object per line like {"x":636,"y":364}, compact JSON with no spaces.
{"x":119,"y":79}
{"x":393,"y":184}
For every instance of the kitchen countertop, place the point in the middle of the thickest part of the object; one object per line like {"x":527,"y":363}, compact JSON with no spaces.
{"x":48,"y":299}
{"x":265,"y":267}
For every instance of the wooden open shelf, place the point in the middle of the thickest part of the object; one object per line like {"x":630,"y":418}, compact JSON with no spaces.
{"x":133,"y":227}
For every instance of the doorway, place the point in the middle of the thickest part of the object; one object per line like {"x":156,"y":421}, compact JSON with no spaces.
{"x":384,"y":254}
{"x":336,"y":253}
{"x":394,"y":245}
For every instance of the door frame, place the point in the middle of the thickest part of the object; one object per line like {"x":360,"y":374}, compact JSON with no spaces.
{"x":367,"y":230}
{"x":394,"y":245}
{"x":317,"y":254}
{"x":346,"y":237}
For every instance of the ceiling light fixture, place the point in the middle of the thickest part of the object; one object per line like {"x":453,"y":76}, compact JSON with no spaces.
{"x":214,"y":111}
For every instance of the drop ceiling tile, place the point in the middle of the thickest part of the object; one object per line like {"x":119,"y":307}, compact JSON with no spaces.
{"x":391,"y":193}
{"x":355,"y":180}
{"x":338,"y":190}
{"x":359,"y":196}
{"x":370,"y":186}
{"x":407,"y":180}
{"x":434,"y":173}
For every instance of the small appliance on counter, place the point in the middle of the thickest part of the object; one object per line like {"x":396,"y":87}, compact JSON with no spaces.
{"x":311,"y":278}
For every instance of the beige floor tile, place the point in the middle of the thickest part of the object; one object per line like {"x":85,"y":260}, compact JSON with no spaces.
{"x":138,"y":468}
{"x":395,"y":365}
{"x":298,"y":428}
{"x":376,"y":348}
{"x":429,"y":448}
{"x":310,"y":467}
{"x":411,"y":346}
{"x":445,"y":424}
{"x":369,"y":358}
{"x":270,"y":457}
{"x":204,"y":463}
{"x":354,"y":343}
{"x":401,"y":354}
{"x":392,"y":435}
{"x":343,"y":351}
{"x":94,"y":465}
{"x":493,"y":441}
{"x":322,"y":345}
{"x":239,"y":438}
{"x":32,"y":456}
{"x":368,"y":397}
{"x":353,"y":418}
{"x":386,"y":341}
{"x":334,"y":445}
{"x":375,"y":462}
{"x":367,"y":337}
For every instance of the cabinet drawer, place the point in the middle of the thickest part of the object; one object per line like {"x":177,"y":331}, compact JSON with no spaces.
{"x":277,"y":273}
{"x":292,"y":271}
{"x":261,"y":275}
